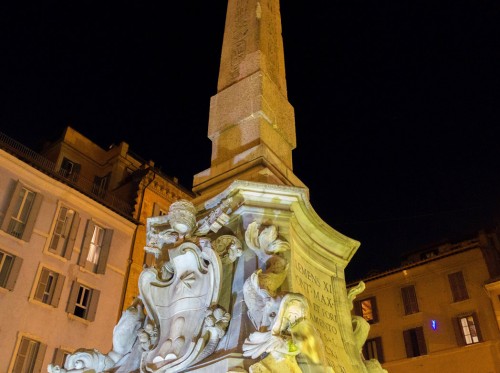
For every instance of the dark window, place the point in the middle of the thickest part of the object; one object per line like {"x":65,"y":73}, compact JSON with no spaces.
{"x":415,"y":342}
{"x":367,"y":308}
{"x":457,"y":286}
{"x":83,"y":301}
{"x":100,"y":185}
{"x":409,"y":299}
{"x":372,"y":349}
{"x":69,"y":169}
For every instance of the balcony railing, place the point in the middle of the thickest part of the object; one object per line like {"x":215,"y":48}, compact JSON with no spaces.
{"x":81,"y":184}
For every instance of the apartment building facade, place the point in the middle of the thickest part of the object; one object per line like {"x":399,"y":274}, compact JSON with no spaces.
{"x":70,"y":237}
{"x":439,"y":312}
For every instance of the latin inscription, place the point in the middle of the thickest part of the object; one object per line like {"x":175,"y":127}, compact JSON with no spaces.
{"x":317,"y":288}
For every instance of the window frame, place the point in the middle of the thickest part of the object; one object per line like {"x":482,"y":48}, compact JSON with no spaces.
{"x":414,"y":339}
{"x":460,"y":330}
{"x":60,"y":356}
{"x":359,"y":310}
{"x":15,"y":208}
{"x":12,"y":272}
{"x":410,"y":301}
{"x":104,"y":248}
{"x":90,"y":306}
{"x":372,"y":349}
{"x":71,"y":173}
{"x":64,"y":231}
{"x":51,"y":295}
{"x":458,"y":286}
{"x":21,"y":353}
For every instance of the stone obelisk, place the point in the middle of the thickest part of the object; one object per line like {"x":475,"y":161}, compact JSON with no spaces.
{"x":251,"y":123}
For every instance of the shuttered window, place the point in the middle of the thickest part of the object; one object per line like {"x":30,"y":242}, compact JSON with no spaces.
{"x":10,"y":265}
{"x":372,"y":349}
{"x":409,"y":299}
{"x":22,"y":211}
{"x":83,"y":301}
{"x":95,"y":248}
{"x":415,"y":342}
{"x":60,"y":356}
{"x":65,"y":230}
{"x":467,"y":327}
{"x":49,"y":287}
{"x":457,"y":286}
{"x":29,"y":357}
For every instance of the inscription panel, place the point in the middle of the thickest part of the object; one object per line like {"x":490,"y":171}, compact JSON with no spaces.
{"x":317,"y":286}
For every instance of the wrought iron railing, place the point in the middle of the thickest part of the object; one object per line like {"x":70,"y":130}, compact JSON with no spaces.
{"x":80,"y":183}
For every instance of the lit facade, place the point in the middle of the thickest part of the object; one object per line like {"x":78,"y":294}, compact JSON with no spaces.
{"x":437,"y":313}
{"x":70,"y":238}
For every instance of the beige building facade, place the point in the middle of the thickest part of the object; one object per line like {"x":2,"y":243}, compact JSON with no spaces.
{"x":438,"y":312}
{"x":71,"y":244}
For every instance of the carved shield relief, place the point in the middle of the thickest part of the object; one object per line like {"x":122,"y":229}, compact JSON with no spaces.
{"x":178,"y":303}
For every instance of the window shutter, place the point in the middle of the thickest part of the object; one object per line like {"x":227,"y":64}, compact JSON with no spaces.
{"x":422,"y":347}
{"x":457,"y":285}
{"x":70,"y":308}
{"x":42,"y":347}
{"x":373,"y":300}
{"x":476,"y":324}
{"x":42,"y":283}
{"x":94,"y":299}
{"x":408,"y":344}
{"x":457,"y":327}
{"x":86,"y":243}
{"x":59,"y":355}
{"x":103,"y":256}
{"x":14,"y":273}
{"x":380,"y":352}
{"x":58,"y":289}
{"x":70,"y":241}
{"x":32,"y":217}
{"x":12,"y":204}
{"x":409,"y":299}
{"x":357,"y":308}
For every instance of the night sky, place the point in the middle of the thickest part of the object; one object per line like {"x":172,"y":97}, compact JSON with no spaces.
{"x":397,"y":103}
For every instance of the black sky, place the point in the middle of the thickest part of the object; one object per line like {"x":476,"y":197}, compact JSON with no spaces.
{"x":396,"y":102}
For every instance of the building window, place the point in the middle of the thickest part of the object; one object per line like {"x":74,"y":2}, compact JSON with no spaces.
{"x":21,"y":213}
{"x":457,"y":286}
{"x":49,"y":287}
{"x":69,"y":169}
{"x":468,"y":326}
{"x":10,"y":266}
{"x":159,"y":210}
{"x":372,"y":349}
{"x":65,"y":229}
{"x":60,"y":356}
{"x":415,"y":342}
{"x":29,"y":357}
{"x":409,"y":299}
{"x":100,"y":185}
{"x":83,"y":301}
{"x":367,"y":308}
{"x":95,"y":248}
